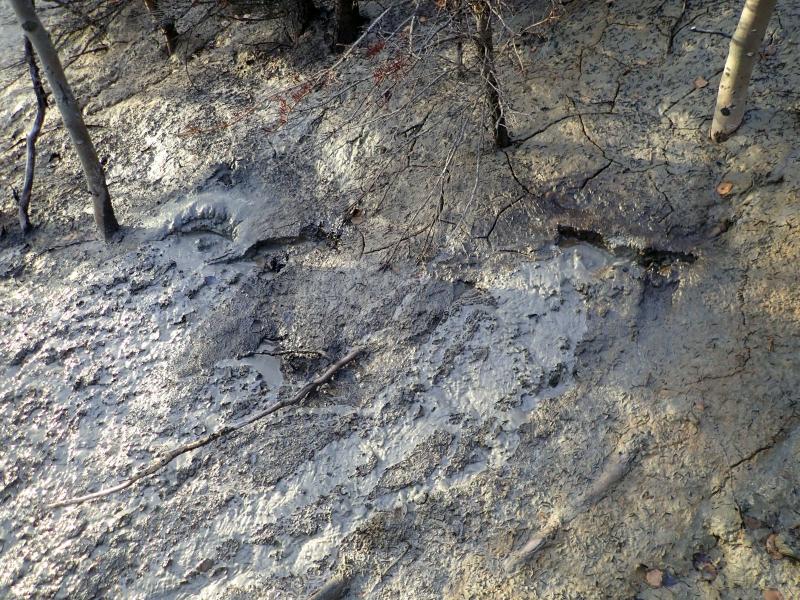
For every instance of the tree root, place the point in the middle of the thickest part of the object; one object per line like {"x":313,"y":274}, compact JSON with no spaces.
{"x":617,"y":466}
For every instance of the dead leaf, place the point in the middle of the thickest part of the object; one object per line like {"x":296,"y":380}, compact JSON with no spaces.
{"x":772,"y":594}
{"x":769,"y":50}
{"x":654,"y":578}
{"x":787,"y":545}
{"x":700,"y":82}
{"x":703,"y":563}
{"x":771,"y":546}
{"x":753,"y":523}
{"x":725,"y":188}
{"x":357,"y":216}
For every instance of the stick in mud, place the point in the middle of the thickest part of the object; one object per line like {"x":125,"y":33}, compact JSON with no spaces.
{"x":223,"y":431}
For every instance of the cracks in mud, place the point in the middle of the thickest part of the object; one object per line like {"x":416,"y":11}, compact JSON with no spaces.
{"x":522,"y":140}
{"x":597,"y":173}
{"x":578,"y":115}
{"x":488,"y":235}
{"x":663,"y":194}
{"x":647,"y":257}
{"x":524,"y":187}
{"x":777,"y":438}
{"x":742,"y":303}
{"x":676,"y":28}
{"x":782,"y":434}
{"x":682,"y":97}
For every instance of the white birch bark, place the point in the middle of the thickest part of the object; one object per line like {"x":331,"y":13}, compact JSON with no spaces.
{"x":732,"y":96}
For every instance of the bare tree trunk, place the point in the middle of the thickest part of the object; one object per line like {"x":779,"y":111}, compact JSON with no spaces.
{"x":70,"y":114}
{"x":346,"y":22}
{"x":299,"y":14}
{"x":165,"y":24}
{"x":455,"y":7}
{"x":732,"y":96}
{"x":483,"y":39}
{"x":23,"y":202}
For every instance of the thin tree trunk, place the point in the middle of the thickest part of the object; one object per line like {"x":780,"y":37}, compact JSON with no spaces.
{"x":732,"y":96}
{"x":23,"y":202}
{"x":299,"y":14}
{"x":455,"y":7}
{"x":70,"y":114}
{"x":346,"y":23}
{"x":483,"y":16}
{"x":165,"y":24}
{"x":460,"y":72}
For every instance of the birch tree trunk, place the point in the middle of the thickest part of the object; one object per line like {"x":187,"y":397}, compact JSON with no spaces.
{"x":483,"y":39}
{"x":70,"y":114}
{"x":732,"y":96}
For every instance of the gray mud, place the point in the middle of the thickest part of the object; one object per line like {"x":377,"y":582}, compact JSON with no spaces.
{"x":605,"y":356}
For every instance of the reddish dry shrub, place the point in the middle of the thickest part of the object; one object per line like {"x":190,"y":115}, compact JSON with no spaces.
{"x":375,"y":48}
{"x":393,"y":68}
{"x":283,"y":110}
{"x":301,"y":92}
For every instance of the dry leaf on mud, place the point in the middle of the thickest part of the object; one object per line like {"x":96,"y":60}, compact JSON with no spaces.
{"x":703,"y":563}
{"x":725,"y":188}
{"x":654,"y":578}
{"x":772,"y":594}
{"x":771,"y":546}
{"x":700,"y":82}
{"x":787,"y":545}
{"x":357,"y":216}
{"x":753,"y":523}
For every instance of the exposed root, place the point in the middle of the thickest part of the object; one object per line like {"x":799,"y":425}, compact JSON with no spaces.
{"x":617,"y":466}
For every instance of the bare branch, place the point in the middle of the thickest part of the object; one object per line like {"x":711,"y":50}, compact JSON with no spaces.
{"x":171,"y":455}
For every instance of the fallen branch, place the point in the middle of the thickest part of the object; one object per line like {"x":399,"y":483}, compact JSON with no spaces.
{"x":23,"y":201}
{"x":223,"y":431}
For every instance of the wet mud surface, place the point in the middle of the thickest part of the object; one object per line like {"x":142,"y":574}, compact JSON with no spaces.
{"x":605,"y":358}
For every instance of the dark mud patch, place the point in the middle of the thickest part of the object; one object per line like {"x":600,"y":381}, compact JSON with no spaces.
{"x":647,"y":257}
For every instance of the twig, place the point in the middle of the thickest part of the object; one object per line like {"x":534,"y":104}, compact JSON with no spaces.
{"x":388,"y":569}
{"x":710,"y":31}
{"x":41,"y":107}
{"x":101,"y":48}
{"x":223,"y":431}
{"x":280,"y":353}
